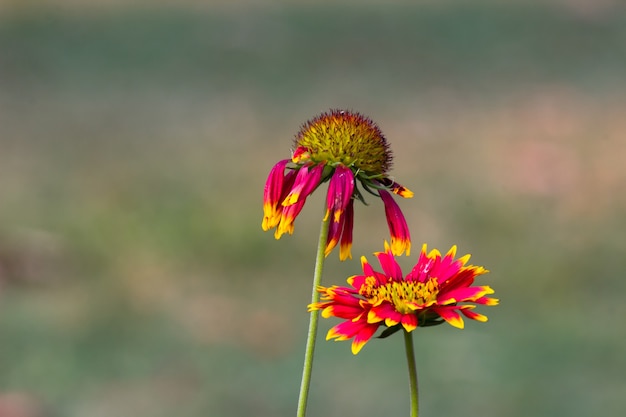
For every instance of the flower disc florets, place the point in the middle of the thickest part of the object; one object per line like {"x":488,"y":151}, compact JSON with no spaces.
{"x":340,"y":147}
{"x":342,"y":137}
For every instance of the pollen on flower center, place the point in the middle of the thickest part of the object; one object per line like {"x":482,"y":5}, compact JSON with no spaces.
{"x":406,"y":296}
{"x":346,"y":138}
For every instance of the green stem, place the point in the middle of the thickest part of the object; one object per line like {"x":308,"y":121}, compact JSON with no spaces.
{"x":313,"y":321}
{"x":410,"y":358}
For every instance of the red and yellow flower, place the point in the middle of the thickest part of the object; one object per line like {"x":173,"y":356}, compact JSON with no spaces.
{"x":340,"y":147}
{"x":438,"y":289}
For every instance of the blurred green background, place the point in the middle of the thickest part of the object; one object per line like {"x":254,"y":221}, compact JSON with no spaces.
{"x":135,"y":279}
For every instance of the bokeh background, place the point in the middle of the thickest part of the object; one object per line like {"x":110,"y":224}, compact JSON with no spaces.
{"x":135,"y":141}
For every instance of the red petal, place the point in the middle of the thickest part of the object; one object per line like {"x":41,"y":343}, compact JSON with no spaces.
{"x":390,"y":266}
{"x":450,"y":315}
{"x":463,"y":294}
{"x":400,"y":235}
{"x":334,"y":234}
{"x":307,"y":179}
{"x":272,"y":192}
{"x":346,"y":235}
{"x":474,"y":316}
{"x":409,"y":322}
{"x":340,"y":190}
{"x":363,"y":337}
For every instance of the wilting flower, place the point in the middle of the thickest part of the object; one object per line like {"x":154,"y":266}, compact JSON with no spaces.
{"x":340,"y":147}
{"x":436,"y":290}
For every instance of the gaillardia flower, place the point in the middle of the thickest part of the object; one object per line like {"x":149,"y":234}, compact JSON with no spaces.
{"x":343,"y":148}
{"x":436,"y":290}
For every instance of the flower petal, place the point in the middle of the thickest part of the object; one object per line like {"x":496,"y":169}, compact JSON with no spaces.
{"x":304,"y":184}
{"x":450,"y":315}
{"x":396,"y":188}
{"x":361,"y":331}
{"x":346,"y":235}
{"x":384,"y":312}
{"x":487,"y":301}
{"x":463,"y":294}
{"x":361,"y":338}
{"x":467,"y":312}
{"x":301,"y":154}
{"x":422,"y":270}
{"x":398,"y":229}
{"x":391,"y":268}
{"x":272,"y":193}
{"x":307,"y":180}
{"x":287,"y":219}
{"x":340,"y":190}
{"x":334,"y":234}
{"x":409,"y":322}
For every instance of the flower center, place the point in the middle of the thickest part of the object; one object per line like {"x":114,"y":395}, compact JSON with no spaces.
{"x":346,"y":138}
{"x":405,"y":296}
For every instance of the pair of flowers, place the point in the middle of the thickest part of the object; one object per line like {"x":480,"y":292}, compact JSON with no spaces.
{"x":346,"y":149}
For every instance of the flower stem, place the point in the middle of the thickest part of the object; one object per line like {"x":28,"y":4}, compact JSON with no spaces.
{"x":410,"y":358}
{"x":313,"y":321}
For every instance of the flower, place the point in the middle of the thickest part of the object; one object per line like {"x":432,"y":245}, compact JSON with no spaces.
{"x":429,"y":295}
{"x":343,"y":148}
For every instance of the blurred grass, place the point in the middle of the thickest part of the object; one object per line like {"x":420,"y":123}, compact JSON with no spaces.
{"x":135,"y":279}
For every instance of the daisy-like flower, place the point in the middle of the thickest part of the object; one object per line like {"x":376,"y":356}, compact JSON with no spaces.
{"x":343,"y":148}
{"x":438,"y":289}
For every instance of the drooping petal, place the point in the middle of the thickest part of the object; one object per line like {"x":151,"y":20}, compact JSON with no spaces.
{"x":346,"y":235}
{"x":304,"y":184}
{"x":402,"y":191}
{"x":334,"y":234}
{"x":307,"y":180}
{"x":340,"y":190}
{"x":272,"y":193}
{"x":339,"y":206}
{"x":398,"y":229}
{"x":287,"y":218}
{"x":396,"y":188}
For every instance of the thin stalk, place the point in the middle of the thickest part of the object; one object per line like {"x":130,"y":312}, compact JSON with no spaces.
{"x":313,"y":321}
{"x":410,"y":358}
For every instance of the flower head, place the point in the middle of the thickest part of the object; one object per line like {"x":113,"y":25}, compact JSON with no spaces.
{"x":345,"y":149}
{"x":435,"y":291}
